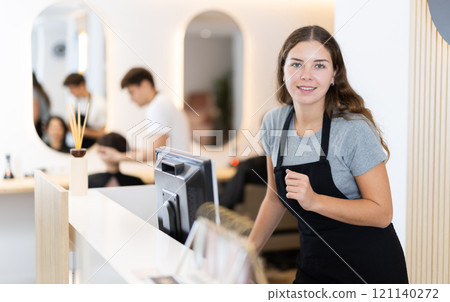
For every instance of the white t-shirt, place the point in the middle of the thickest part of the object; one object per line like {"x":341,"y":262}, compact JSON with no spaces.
{"x":97,"y":110}
{"x":162,"y":110}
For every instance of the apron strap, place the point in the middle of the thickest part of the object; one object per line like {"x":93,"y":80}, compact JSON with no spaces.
{"x":284,"y":136}
{"x":326,"y":124}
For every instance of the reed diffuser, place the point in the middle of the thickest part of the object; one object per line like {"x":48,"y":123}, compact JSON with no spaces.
{"x":78,"y":177}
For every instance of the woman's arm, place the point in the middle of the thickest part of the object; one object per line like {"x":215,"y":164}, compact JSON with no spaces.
{"x":110,"y":154}
{"x":270,"y":212}
{"x":373,"y":209}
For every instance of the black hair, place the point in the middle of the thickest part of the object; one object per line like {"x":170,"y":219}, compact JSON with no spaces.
{"x":74,"y":79}
{"x":113,"y":140}
{"x":41,"y":90}
{"x":135,"y":76}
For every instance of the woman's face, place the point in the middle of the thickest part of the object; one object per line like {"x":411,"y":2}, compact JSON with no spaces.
{"x":55,"y":130}
{"x":308,"y":72}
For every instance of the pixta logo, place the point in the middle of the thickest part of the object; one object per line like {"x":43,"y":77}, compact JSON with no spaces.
{"x":143,"y":136}
{"x":309,"y":142}
{"x":141,"y":139}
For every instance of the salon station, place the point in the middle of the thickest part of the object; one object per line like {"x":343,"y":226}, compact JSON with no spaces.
{"x":71,"y":212}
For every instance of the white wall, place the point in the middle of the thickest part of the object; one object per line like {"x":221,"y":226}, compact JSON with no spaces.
{"x":96,"y":72}
{"x":17,"y":238}
{"x":375,"y":45}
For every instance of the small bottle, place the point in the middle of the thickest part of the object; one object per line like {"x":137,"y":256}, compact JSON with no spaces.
{"x":8,"y":172}
{"x":78,"y":176}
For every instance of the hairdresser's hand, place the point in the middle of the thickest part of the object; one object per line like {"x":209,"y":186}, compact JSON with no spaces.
{"x":109,"y":155}
{"x":299,"y":188}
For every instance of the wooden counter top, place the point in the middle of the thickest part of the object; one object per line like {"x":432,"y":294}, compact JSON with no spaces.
{"x":26,"y":184}
{"x":146,"y":173}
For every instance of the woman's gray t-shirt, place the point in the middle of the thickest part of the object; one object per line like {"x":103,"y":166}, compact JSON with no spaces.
{"x":354,"y":147}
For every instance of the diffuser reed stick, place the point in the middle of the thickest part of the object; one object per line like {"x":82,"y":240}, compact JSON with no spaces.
{"x":75,"y":125}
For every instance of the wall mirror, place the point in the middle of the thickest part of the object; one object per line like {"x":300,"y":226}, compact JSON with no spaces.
{"x":213,"y":75}
{"x":68,"y":39}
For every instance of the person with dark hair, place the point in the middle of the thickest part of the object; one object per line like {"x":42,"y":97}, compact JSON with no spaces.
{"x":96,"y":120}
{"x":112,"y":177}
{"x":161,"y":112}
{"x":249,"y":171}
{"x":329,"y":170}
{"x":56,"y":134}
{"x":135,"y":76}
{"x":41,"y":106}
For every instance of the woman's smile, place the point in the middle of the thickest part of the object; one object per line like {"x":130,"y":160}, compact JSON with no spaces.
{"x":306,"y":89}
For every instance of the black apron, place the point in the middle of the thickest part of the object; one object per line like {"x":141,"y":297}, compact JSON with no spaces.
{"x":332,"y":251}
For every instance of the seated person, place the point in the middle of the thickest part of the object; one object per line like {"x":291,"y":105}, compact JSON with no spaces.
{"x":56,"y":134}
{"x":249,"y":172}
{"x":113,"y":177}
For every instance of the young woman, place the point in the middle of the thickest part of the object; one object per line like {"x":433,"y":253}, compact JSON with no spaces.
{"x":329,"y":170}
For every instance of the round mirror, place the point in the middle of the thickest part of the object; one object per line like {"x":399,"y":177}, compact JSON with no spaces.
{"x":68,"y":59}
{"x":213,"y":56}
{"x":440,"y":12}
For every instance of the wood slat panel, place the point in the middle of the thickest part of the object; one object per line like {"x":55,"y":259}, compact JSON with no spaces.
{"x":412,"y":144}
{"x":442,"y":181}
{"x":421,"y":137}
{"x":417,"y":126}
{"x":428,"y":209}
{"x":437,"y":171}
{"x":446,"y":263}
{"x":431,"y":152}
{"x":426,"y":203}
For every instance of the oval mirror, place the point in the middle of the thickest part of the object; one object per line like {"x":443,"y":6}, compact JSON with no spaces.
{"x":213,"y":74}
{"x":68,"y":59}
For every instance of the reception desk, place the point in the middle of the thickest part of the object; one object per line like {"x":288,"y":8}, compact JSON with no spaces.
{"x":114,"y":237}
{"x":17,"y":224}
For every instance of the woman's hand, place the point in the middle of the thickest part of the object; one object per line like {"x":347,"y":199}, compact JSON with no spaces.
{"x":299,"y":188}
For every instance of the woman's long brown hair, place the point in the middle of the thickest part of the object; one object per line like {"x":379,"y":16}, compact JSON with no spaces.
{"x":340,"y":99}
{"x":41,"y":90}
